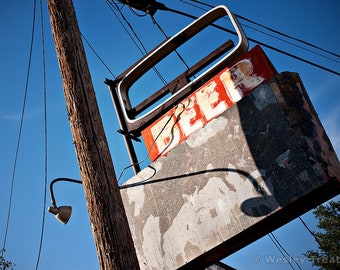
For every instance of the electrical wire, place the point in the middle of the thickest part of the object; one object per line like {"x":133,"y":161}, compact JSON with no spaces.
{"x":281,"y":248}
{"x":270,"y":29}
{"x":136,"y":13}
{"x":141,"y":46}
{"x":290,"y":43}
{"x":20,"y":130}
{"x":309,"y":230}
{"x":256,"y":41}
{"x":287,"y":36}
{"x":112,"y":8}
{"x":166,"y":36}
{"x":278,"y":247}
{"x":45,"y":135}
{"x":274,"y":31}
{"x":152,"y":144}
{"x":98,"y":56}
{"x":313,"y":234}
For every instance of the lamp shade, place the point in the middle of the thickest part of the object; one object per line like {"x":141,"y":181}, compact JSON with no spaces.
{"x":62,"y":213}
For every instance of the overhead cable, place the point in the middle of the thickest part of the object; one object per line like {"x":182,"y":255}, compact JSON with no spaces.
{"x":166,"y":36}
{"x":97,"y":55}
{"x":276,"y":32}
{"x":160,"y":6}
{"x":113,"y":6}
{"x":254,"y":40}
{"x":20,"y":130}
{"x":314,"y":235}
{"x":272,"y":30}
{"x":45,"y":135}
{"x":279,"y":247}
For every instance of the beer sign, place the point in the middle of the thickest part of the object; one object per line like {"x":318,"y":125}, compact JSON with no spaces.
{"x":208,"y":102}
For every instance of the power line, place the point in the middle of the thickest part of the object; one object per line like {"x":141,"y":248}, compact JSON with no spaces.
{"x":309,"y":230}
{"x":166,"y":36}
{"x":20,"y":129}
{"x":272,"y":234}
{"x":314,"y":235}
{"x":161,"y":6}
{"x":254,"y":40}
{"x":293,"y":38}
{"x":291,"y":43}
{"x":112,"y":6}
{"x":270,"y":29}
{"x":281,"y":249}
{"x":98,"y":56}
{"x":45,"y":135}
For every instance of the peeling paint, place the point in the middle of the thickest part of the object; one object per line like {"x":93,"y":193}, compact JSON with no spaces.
{"x":209,"y":205}
{"x":200,"y":203}
{"x":190,"y":250}
{"x":283,"y":159}
{"x":242,"y":162}
{"x":241,"y":168}
{"x":264,"y":97}
{"x":151,"y":243}
{"x":137,"y":196}
{"x":207,"y":132}
{"x":207,"y":102}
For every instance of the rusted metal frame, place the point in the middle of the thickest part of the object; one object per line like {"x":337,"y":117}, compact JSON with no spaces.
{"x":181,"y":80}
{"x":123,"y":86}
{"x":123,"y":128}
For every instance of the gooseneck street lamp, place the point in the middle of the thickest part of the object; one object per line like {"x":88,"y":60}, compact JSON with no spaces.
{"x":62,"y":213}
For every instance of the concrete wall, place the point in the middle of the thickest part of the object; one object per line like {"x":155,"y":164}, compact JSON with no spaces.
{"x":257,"y":166}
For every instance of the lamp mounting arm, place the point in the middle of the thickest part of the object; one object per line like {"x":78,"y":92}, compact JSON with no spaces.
{"x":58,"y":180}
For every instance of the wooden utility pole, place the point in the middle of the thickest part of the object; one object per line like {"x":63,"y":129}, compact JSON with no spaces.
{"x":110,"y":228}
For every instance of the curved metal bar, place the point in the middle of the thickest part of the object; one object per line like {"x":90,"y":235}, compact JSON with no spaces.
{"x":58,"y":180}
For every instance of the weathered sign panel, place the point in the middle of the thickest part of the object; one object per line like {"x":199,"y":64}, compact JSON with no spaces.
{"x":253,"y":168}
{"x":208,"y":102}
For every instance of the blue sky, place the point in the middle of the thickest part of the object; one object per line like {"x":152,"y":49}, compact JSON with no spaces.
{"x":71,"y":246}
